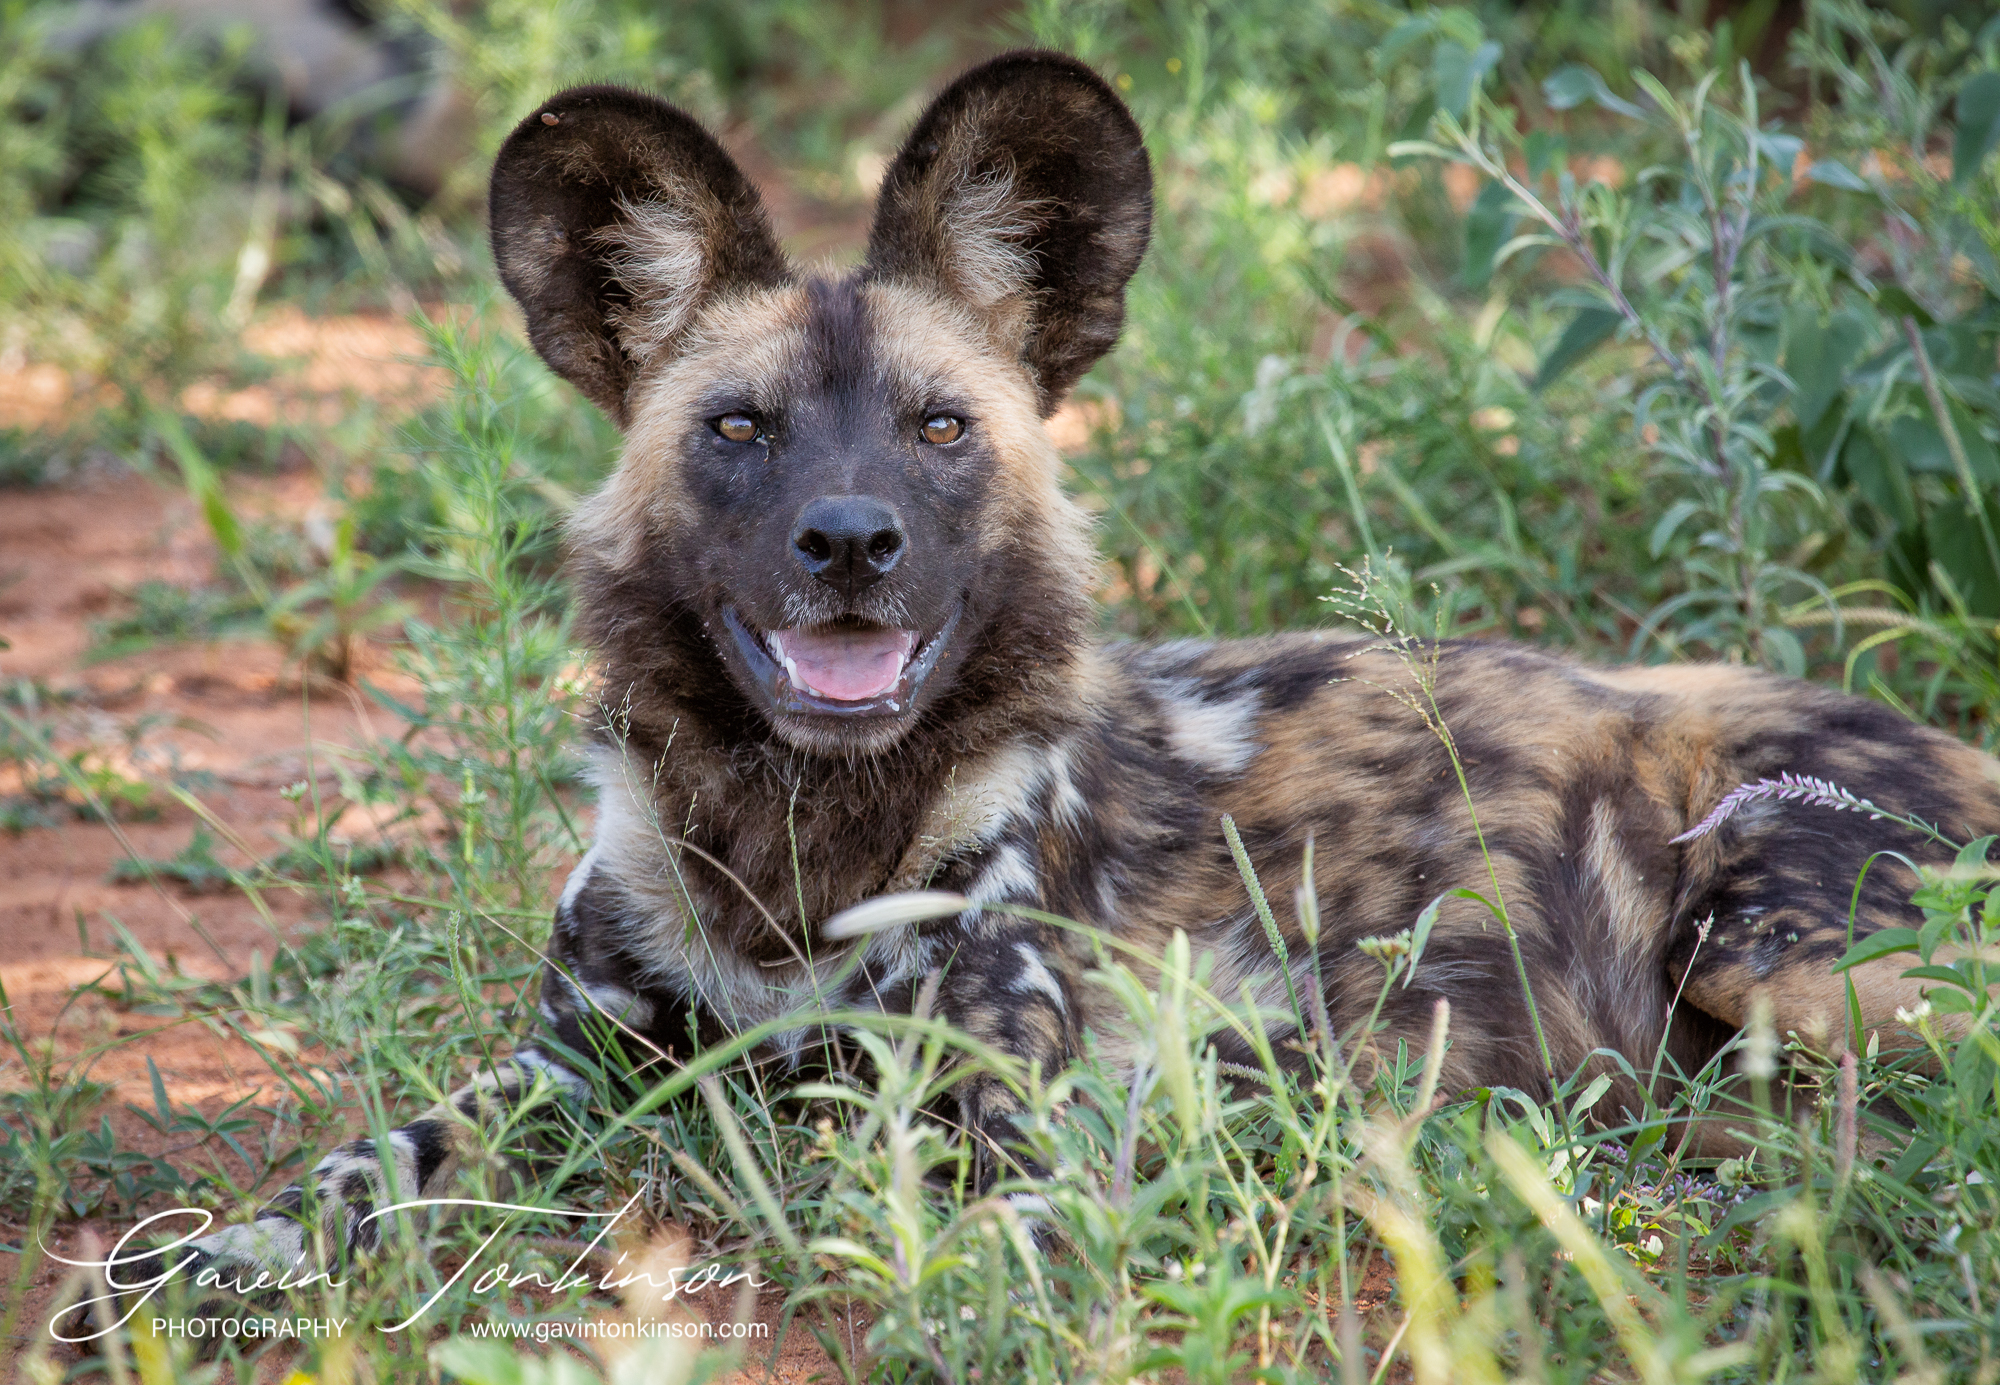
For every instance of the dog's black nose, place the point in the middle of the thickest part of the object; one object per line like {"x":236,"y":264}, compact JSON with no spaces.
{"x":849,"y":542}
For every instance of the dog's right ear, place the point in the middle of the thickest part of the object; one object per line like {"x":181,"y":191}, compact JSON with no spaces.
{"x":616,"y":217}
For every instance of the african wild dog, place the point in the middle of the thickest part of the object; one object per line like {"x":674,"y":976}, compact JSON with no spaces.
{"x":842,"y":607}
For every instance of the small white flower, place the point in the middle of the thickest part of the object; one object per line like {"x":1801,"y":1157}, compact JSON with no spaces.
{"x":1385,"y":948}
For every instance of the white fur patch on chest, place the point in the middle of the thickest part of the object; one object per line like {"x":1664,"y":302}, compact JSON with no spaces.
{"x":661,"y":907}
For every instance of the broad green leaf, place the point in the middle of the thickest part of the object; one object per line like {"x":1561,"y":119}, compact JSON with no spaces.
{"x":1821,"y":238}
{"x":1978,"y":125}
{"x":1958,"y":545}
{"x":1457,"y":72}
{"x":1781,"y":151}
{"x":1880,"y":480}
{"x":1586,"y":331}
{"x":1588,"y":1097}
{"x":1933,"y":932}
{"x":1530,"y":1109}
{"x":1547,"y":152}
{"x":1421,"y":934}
{"x":1835,"y":174}
{"x":1669,"y":524}
{"x":1979,"y":453}
{"x":1817,"y":356}
{"x":1649,"y":1138}
{"x":1573,"y":85}
{"x":1963,"y":348}
{"x":1783,"y":651}
{"x":1402,"y":37}
{"x":1917,"y":440}
{"x":1488,"y":224}
{"x":1460,"y":24}
{"x":1950,"y":976}
{"x":1972,"y":855}
{"x":1569,"y":86}
{"x":1881,"y":943}
{"x":1895,"y":300}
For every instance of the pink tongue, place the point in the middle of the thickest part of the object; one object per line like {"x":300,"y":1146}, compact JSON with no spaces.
{"x":845,"y":665}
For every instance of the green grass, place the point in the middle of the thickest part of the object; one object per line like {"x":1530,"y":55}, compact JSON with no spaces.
{"x":1557,"y":414}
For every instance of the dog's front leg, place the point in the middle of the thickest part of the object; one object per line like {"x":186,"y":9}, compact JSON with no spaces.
{"x":318,"y":1226}
{"x":1005,"y":984}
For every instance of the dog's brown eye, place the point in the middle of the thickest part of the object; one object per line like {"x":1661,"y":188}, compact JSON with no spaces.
{"x":943,"y":429}
{"x":737,"y":427}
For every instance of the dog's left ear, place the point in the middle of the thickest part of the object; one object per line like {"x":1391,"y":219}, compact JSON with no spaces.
{"x":1025,"y":194}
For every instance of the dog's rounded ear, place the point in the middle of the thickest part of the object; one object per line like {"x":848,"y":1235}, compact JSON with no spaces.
{"x":615,"y":218}
{"x":1024,"y":193}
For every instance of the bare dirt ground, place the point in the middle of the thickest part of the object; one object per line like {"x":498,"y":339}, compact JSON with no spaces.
{"x":227,"y":718}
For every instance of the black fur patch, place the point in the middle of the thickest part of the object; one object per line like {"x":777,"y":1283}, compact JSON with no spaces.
{"x":432,"y":1141}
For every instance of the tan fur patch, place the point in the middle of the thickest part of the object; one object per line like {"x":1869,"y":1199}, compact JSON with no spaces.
{"x":929,"y":339}
{"x":658,"y":251}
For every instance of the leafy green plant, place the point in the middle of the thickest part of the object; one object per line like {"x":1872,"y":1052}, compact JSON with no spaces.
{"x":84,"y":782}
{"x":501,"y":678}
{"x":1695,"y":237}
{"x":194,"y":866}
{"x":323,"y":619}
{"x":29,"y":458}
{"x":560,"y":446}
{"x":1302,"y":379}
{"x":167,"y":613}
{"x":492,"y":1363}
{"x":1761,"y":385}
{"x":108,"y":261}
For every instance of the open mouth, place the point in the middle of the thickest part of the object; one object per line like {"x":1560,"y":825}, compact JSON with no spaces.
{"x":839,"y":670}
